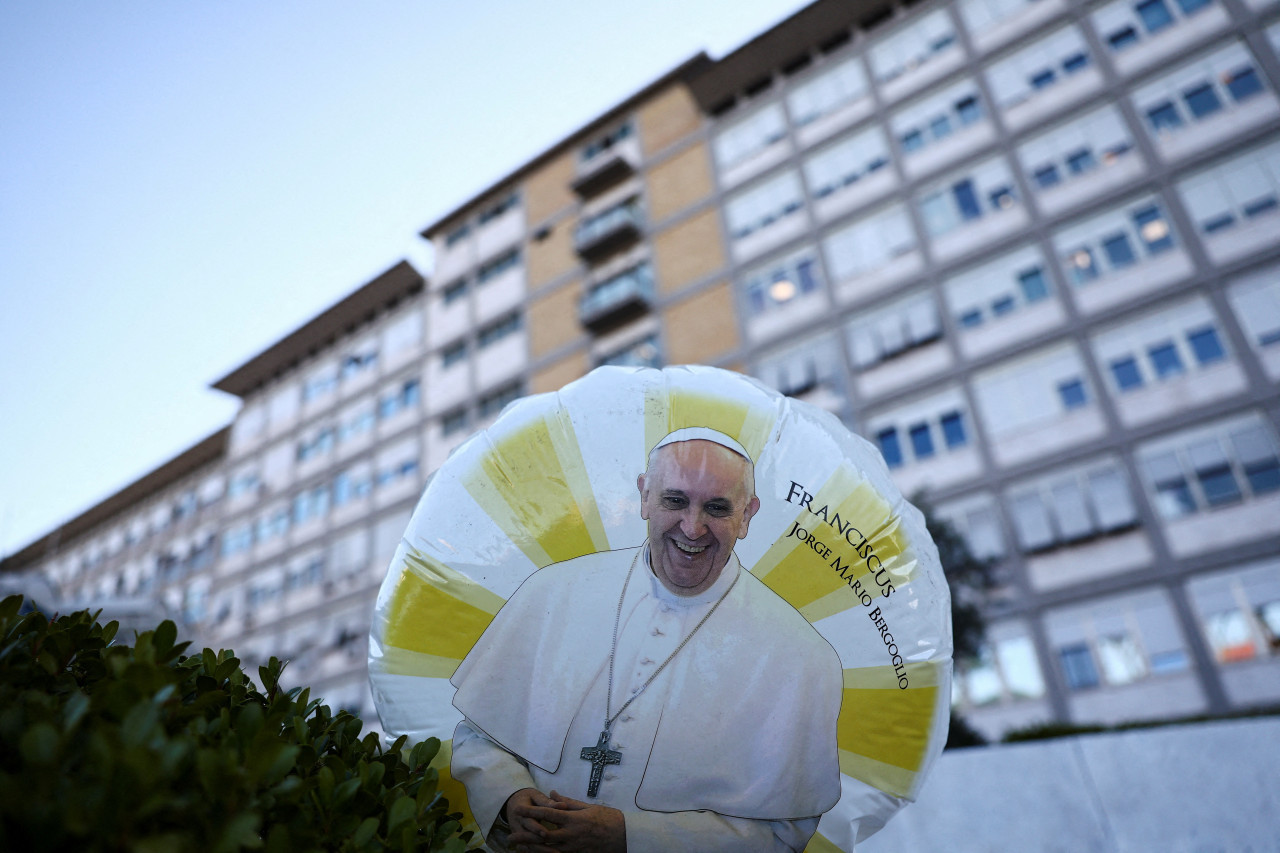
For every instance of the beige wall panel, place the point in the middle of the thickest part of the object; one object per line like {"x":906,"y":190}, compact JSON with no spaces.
{"x":553,"y":319}
{"x":689,"y":251}
{"x":557,"y":375}
{"x":666,"y":118}
{"x":547,"y":190}
{"x":703,"y":327}
{"x":551,"y":257}
{"x":679,"y":182}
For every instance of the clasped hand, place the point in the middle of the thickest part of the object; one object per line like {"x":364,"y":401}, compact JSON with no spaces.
{"x":558,"y":824}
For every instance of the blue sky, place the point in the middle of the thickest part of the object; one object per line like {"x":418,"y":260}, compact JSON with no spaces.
{"x":183,"y":182}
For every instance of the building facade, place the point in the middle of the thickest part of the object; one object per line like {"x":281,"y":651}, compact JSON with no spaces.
{"x":1029,"y":247}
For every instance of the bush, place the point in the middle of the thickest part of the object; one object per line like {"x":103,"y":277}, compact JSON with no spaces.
{"x":109,"y":747}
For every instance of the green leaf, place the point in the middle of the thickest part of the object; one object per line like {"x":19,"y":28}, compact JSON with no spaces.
{"x":399,"y":815}
{"x":165,"y":635}
{"x":364,"y":832}
{"x":75,"y":709}
{"x":345,"y":791}
{"x":39,"y":745}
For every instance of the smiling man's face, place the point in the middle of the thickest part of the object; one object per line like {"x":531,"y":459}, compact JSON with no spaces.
{"x":698,"y":498}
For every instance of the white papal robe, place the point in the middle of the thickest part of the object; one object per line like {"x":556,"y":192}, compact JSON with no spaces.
{"x":731,"y":747}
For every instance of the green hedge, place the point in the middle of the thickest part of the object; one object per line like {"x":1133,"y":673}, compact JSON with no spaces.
{"x":105,"y":746}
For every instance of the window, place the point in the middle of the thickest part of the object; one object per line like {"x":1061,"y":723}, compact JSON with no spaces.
{"x":1064,"y":508}
{"x":1240,"y":611}
{"x":1125,"y":23}
{"x":912,"y":46}
{"x":636,"y":282}
{"x":847,"y":162}
{"x":453,"y":354}
{"x":500,"y":329}
{"x":318,"y":444}
{"x":496,"y":267}
{"x":312,"y":503}
{"x":319,"y":385}
{"x":505,"y":204}
{"x":1206,"y":345}
{"x":643,"y":353}
{"x":1073,"y":394}
{"x":606,"y":142}
{"x":397,"y":471}
{"x":921,"y":441}
{"x":405,"y":398}
{"x":1240,"y":191}
{"x":1256,"y":301}
{"x":890,"y":447}
{"x":894,"y":330}
{"x":869,"y":243}
{"x":980,"y":15}
{"x":953,"y":202}
{"x":827,"y":91}
{"x":782,"y":281}
{"x":453,"y":422}
{"x":1114,"y":241}
{"x":493,"y":403}
{"x":457,"y":235}
{"x":1099,"y":138}
{"x":1165,"y":360}
{"x":764,"y":205}
{"x":1208,"y":467}
{"x":609,"y":220}
{"x":1038,"y":67}
{"x":1125,"y":371}
{"x":953,"y":431}
{"x":243,"y":483}
{"x":809,"y":370}
{"x":750,"y":136}
{"x":1077,"y":666}
{"x":455,"y":291}
{"x":351,"y":485}
{"x":998,"y":289}
{"x":356,"y":424}
{"x":358,"y":362}
{"x":937,"y":116}
{"x":1199,"y":91}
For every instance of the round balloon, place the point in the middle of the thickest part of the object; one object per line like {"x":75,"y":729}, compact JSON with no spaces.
{"x":554,"y":478}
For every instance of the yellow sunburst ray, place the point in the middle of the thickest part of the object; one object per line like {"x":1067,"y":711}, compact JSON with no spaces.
{"x":883,"y":730}
{"x":436,"y":611}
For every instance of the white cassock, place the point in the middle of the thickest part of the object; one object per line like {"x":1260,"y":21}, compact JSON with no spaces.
{"x":731,"y":747}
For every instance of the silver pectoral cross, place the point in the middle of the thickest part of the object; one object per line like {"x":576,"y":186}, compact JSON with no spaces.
{"x":599,"y":755}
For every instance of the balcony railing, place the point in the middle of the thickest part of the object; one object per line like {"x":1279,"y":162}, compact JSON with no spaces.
{"x":602,"y":171}
{"x":607,"y":232}
{"x":617,"y":299}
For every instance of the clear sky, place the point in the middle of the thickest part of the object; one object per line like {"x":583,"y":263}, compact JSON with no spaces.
{"x":181,"y":183}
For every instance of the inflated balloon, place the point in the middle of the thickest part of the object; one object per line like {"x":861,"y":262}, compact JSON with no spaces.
{"x":555,"y":478}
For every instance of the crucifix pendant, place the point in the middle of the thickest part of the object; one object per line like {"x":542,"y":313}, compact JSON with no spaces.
{"x":599,"y":755}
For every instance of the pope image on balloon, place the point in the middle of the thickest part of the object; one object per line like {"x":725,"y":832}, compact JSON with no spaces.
{"x":667,"y":610}
{"x":673,"y":700}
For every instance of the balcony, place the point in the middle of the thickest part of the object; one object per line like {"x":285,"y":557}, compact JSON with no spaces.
{"x":618,"y":299}
{"x":612,"y":165}
{"x":607,"y":232}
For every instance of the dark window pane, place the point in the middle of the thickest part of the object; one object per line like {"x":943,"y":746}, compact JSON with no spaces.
{"x":1219,"y":484}
{"x":1165,"y":360}
{"x":1033,"y":284}
{"x":1072,"y":394}
{"x":1043,"y":78}
{"x":1125,"y":371}
{"x":1263,"y":476}
{"x":969,"y":319}
{"x":1002,"y":198}
{"x":1202,"y":100}
{"x":940,"y":127}
{"x":1081,"y":161}
{"x":1078,"y":667}
{"x":876,"y":164}
{"x":1260,"y":206}
{"x":1075,"y":62}
{"x":1206,"y":345}
{"x":953,"y":429}
{"x":1121,"y":39}
{"x":921,"y":441}
{"x":890,"y":447}
{"x":1243,"y":83}
{"x":969,"y":110}
{"x":966,"y":200}
{"x":912,"y":140}
{"x":1190,"y":7}
{"x":1047,"y":176}
{"x":1153,"y":228}
{"x":1119,"y":250}
{"x":1164,"y":116}
{"x":1002,"y":306}
{"x":1084,"y":267}
{"x":1154,"y":14}
{"x":1218,"y":223}
{"x":805,"y":272}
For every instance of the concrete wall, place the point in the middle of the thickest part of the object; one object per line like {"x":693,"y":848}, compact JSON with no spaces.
{"x":1204,"y":787}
